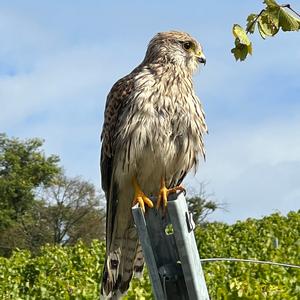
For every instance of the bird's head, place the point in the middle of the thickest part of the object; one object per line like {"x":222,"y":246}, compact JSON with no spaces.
{"x":177,"y":48}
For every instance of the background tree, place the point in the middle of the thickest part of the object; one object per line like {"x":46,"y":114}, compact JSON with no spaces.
{"x":39,"y":204}
{"x":73,"y":210}
{"x":201,"y":205}
{"x":67,"y":210}
{"x":23,"y":168}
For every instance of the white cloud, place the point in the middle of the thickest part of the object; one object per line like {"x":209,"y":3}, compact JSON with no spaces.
{"x":53,"y":82}
{"x":255,"y":169}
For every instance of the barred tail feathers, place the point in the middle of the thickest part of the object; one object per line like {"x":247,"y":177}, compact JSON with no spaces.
{"x":119,"y":265}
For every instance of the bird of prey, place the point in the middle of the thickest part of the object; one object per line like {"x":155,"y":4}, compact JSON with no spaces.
{"x":152,"y":136}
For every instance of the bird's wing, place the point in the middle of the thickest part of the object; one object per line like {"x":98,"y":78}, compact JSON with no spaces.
{"x":116,"y":100}
{"x":121,"y":238}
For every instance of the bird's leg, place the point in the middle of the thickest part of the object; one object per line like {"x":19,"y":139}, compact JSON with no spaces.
{"x":139,"y":196}
{"x":164,"y":192}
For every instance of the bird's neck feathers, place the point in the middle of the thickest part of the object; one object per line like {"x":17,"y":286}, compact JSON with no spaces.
{"x":161,"y":68}
{"x":164,"y":60}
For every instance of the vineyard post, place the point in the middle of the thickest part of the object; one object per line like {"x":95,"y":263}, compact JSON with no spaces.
{"x":170,"y":251}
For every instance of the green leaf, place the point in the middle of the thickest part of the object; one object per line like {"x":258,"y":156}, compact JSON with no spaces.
{"x":260,"y":30}
{"x":239,"y":32}
{"x":241,"y":51}
{"x":271,"y":3}
{"x":251,"y":23}
{"x":243,"y":46}
{"x":240,"y":293}
{"x":268,"y":22}
{"x":287,"y":21}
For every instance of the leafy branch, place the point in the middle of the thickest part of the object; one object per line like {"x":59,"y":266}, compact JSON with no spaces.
{"x":268,"y":22}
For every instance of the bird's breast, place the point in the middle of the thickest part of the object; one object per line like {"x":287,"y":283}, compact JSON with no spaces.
{"x":159,"y":133}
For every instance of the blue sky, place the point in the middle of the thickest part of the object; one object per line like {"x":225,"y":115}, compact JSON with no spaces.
{"x":58,"y":60}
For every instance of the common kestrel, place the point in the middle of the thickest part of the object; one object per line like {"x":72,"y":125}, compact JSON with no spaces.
{"x":152,"y":136}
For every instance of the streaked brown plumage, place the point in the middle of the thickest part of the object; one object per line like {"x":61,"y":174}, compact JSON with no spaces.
{"x":153,"y":130}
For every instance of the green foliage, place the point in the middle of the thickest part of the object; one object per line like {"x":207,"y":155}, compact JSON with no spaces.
{"x":272,"y":18}
{"x":243,"y":46}
{"x":57,"y":273}
{"x":23,"y":168}
{"x":252,"y":239}
{"x":74,"y":272}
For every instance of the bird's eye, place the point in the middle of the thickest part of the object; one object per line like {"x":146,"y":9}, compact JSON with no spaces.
{"x":187,"y":45}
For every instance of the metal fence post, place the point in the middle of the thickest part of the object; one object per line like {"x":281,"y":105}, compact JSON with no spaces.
{"x":170,"y":251}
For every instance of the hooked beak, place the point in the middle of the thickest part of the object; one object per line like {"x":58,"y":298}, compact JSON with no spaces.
{"x":201,"y":58}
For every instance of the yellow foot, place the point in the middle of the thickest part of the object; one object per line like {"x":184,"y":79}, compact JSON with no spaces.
{"x":140,"y":197}
{"x":164,"y":193}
